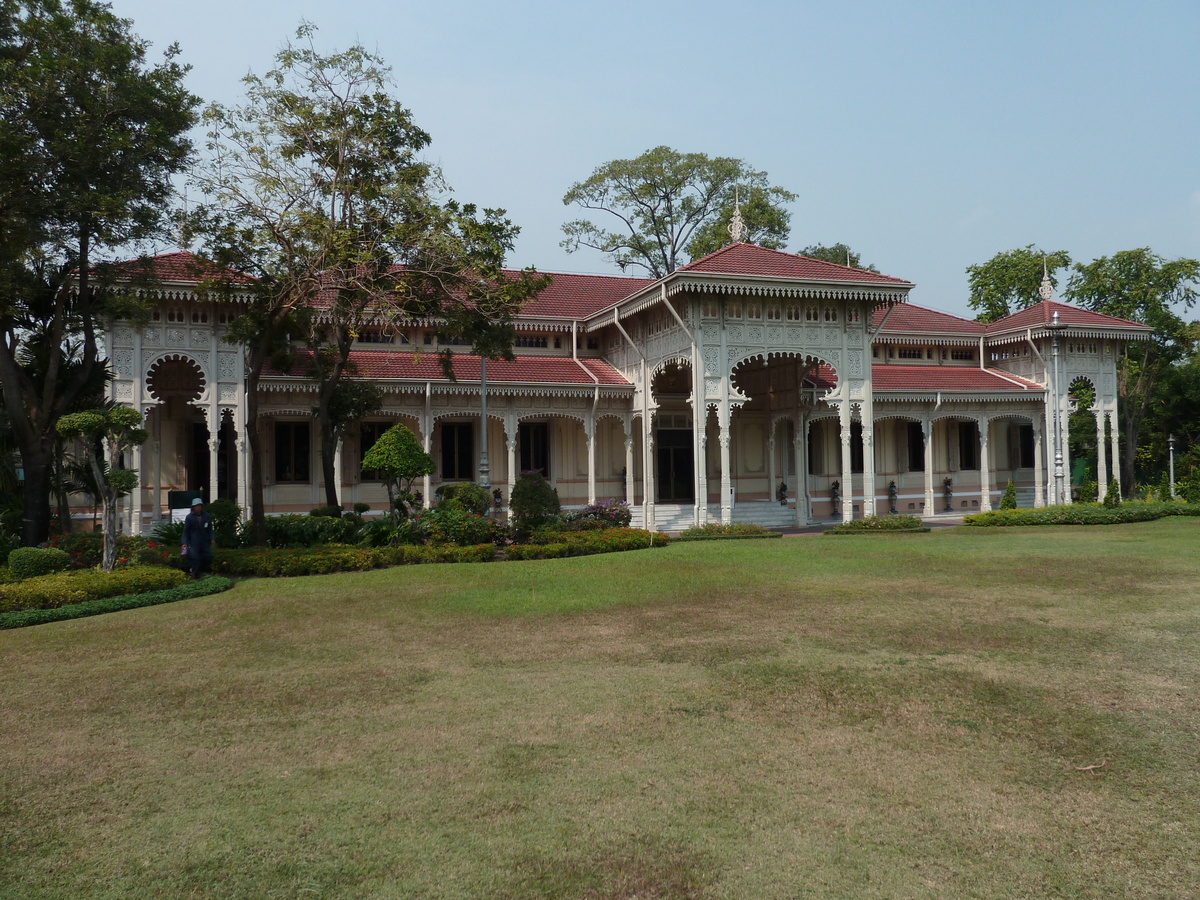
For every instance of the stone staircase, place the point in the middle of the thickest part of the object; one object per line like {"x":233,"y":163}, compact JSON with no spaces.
{"x":671,"y":517}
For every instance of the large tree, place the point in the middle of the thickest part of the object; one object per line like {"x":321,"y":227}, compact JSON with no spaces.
{"x":315,"y":187}
{"x":837,"y":253}
{"x":91,"y":137}
{"x":673,"y":207}
{"x":1009,"y":281}
{"x":1141,"y":286}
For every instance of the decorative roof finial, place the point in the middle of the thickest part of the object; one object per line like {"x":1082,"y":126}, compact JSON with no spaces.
{"x":1045,"y":289}
{"x":737,"y":225}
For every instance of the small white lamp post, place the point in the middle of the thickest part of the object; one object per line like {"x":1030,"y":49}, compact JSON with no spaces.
{"x":1171,"y":450}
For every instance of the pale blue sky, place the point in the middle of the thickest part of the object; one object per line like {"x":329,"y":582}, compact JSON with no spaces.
{"x":927,"y":135}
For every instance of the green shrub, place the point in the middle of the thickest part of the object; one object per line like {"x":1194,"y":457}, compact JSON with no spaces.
{"x":534,"y":502}
{"x":1082,"y":514}
{"x":30,"y":562}
{"x":59,"y":589}
{"x":227,"y":521}
{"x":601,"y":514}
{"x":169,"y":533}
{"x":878,"y":525}
{"x":474,"y":497}
{"x":716,"y":531}
{"x":1009,"y":500}
{"x":188,"y":590}
{"x":585,"y":543}
{"x":8,"y":543}
{"x":306,"y":531}
{"x":449,"y":523}
{"x":1112,"y":499}
{"x":361,"y":508}
{"x":327,"y":512}
{"x":269,"y":563}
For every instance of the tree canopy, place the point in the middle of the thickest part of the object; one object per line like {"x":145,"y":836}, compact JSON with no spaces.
{"x":92,"y":136}
{"x":399,"y":459}
{"x":673,"y":207}
{"x":1009,"y":281}
{"x":315,"y":186}
{"x":837,"y":253}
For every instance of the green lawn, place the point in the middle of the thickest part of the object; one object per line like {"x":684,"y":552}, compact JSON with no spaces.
{"x":968,"y":713}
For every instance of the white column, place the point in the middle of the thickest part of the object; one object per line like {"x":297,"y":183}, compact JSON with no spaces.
{"x":1101,"y":456}
{"x":868,"y":437}
{"x":133,"y":502}
{"x":723,"y":416}
{"x":630,"y":487}
{"x":510,"y":445}
{"x":985,"y":466}
{"x":1064,"y":420}
{"x":426,"y":480}
{"x":847,"y":469}
{"x":1115,"y":447}
{"x":589,"y":435}
{"x":927,"y":438}
{"x":214,"y":455}
{"x":337,"y":470}
{"x":702,"y":481}
{"x":1039,"y":473}
{"x":772,"y":481}
{"x":800,"y":450}
{"x":648,"y":472}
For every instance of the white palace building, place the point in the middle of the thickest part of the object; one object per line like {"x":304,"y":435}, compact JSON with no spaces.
{"x":748,"y":386}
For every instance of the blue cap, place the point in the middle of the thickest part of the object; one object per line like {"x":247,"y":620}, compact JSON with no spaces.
{"x":199,"y":501}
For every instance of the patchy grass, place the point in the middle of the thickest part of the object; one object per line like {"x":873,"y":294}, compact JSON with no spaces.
{"x":973,"y":714}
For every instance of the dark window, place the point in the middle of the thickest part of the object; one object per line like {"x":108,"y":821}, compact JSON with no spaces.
{"x":534,"y":441}
{"x":292,"y":451}
{"x":369,"y":433}
{"x":968,"y":445}
{"x":916,"y":447}
{"x":458,"y":450}
{"x":856,"y":448}
{"x":1025,"y":436}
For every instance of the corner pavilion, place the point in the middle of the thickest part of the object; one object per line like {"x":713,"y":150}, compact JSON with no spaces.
{"x":748,"y":386}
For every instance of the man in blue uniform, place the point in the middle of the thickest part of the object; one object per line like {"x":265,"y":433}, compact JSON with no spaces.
{"x":198,"y":538}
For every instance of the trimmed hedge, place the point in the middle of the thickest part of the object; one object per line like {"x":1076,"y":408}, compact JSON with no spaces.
{"x":62,"y":588}
{"x":715,"y":531}
{"x":270,"y":563}
{"x":1082,"y":514}
{"x":586,"y":543}
{"x":32,"y":562}
{"x":201,"y":588}
{"x":879,"y":525}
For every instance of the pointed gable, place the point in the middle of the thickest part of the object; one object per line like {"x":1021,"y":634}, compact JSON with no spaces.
{"x":1072,"y":320}
{"x":750,"y":259}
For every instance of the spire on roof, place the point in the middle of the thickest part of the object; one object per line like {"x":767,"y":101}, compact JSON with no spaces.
{"x":1045,"y":289}
{"x":737,"y":225}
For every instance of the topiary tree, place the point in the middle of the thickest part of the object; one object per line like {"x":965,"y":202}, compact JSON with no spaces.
{"x":1009,"y":500}
{"x":111,"y":430}
{"x":474,"y":497}
{"x":1112,"y":499}
{"x":534,"y":502}
{"x":399,"y":459}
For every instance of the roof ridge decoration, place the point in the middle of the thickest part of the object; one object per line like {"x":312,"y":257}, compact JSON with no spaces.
{"x":737,"y":225}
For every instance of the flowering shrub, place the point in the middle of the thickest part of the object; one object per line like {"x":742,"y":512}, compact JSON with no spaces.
{"x":604,"y":513}
{"x":876,"y":524}
{"x":51,"y":591}
{"x":85,"y":550}
{"x":716,"y":531}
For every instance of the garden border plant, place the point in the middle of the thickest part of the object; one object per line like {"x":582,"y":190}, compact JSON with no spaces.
{"x":880,"y":525}
{"x":24,"y":618}
{"x":734,"y":531}
{"x":1082,"y":514}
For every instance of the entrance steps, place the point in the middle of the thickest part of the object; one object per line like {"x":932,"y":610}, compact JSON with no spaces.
{"x":671,"y":517}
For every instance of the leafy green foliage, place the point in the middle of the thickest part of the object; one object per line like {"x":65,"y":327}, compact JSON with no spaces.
{"x":673,"y":206}
{"x":1009,"y":281}
{"x":399,"y":460}
{"x":1112,"y":498}
{"x":878,"y":524}
{"x":61,"y":588}
{"x":449,"y":523}
{"x":227,"y":520}
{"x":601,"y":514}
{"x":307,"y":531}
{"x":534,"y":502}
{"x":837,"y":253}
{"x":270,"y":563}
{"x":552,"y":545}
{"x":1083,"y":514}
{"x":32,"y":562}
{"x":1009,"y":500}
{"x":92,"y":137}
{"x":185,"y":591}
{"x":714,"y":531}
{"x":473,"y":497}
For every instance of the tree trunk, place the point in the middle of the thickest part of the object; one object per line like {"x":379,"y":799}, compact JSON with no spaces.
{"x":108,"y":500}
{"x":37,"y":495}
{"x":258,"y":510}
{"x":328,"y":460}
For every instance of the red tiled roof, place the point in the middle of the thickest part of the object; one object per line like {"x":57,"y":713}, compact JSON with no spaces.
{"x":405,"y":364}
{"x":945,"y":378}
{"x":182,"y":266}
{"x":577,"y":296}
{"x":1043,"y":314}
{"x":918,"y":319}
{"x":750,"y":259}
{"x":824,"y":377}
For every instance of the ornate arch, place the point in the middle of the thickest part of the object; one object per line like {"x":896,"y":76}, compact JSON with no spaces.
{"x":175,"y":374}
